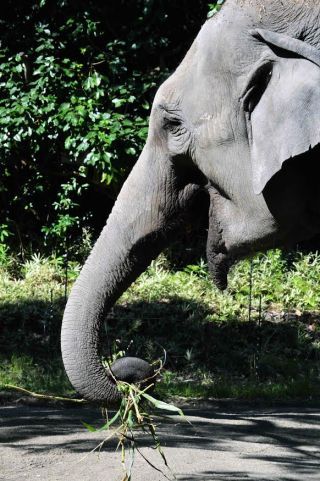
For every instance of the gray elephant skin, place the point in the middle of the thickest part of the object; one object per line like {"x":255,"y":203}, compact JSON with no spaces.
{"x":237,"y":122}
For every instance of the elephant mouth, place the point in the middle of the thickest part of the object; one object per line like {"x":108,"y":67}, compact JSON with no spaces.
{"x":219,"y":264}
{"x":218,"y":258}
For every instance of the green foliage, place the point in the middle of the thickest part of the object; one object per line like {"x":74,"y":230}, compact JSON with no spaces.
{"x":281,"y":287}
{"x":215,"y":7}
{"x":4,"y":233}
{"x":24,"y":371}
{"x":69,"y":113}
{"x":76,"y":86}
{"x":32,"y":299}
{"x":5,"y":257}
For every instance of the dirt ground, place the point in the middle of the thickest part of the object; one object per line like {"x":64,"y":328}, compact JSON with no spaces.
{"x":224,"y":442}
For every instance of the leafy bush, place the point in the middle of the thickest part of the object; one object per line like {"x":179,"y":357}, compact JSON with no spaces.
{"x":76,"y":87}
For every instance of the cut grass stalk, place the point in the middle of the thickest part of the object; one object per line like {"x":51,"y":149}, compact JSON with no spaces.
{"x":134,"y":417}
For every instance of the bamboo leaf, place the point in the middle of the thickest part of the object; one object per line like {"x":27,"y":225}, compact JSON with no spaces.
{"x":162,"y":405}
{"x":90,"y":428}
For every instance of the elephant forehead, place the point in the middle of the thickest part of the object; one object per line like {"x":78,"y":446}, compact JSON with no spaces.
{"x":208,"y":82}
{"x":226,"y":38}
{"x":222,"y":61}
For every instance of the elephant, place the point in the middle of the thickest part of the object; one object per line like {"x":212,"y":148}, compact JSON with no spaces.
{"x":236,"y":123}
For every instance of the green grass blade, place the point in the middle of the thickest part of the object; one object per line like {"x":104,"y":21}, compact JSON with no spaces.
{"x":90,"y":428}
{"x":162,"y":405}
{"x":109,"y":423}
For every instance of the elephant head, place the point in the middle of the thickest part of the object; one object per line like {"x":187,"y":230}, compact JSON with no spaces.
{"x":237,"y":121}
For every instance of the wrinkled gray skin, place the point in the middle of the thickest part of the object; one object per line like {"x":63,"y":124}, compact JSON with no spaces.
{"x":238,"y":121}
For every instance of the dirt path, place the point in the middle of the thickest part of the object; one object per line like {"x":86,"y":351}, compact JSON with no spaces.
{"x":230,"y":444}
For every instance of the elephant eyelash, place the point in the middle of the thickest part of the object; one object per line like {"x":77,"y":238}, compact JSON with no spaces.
{"x":256,"y":86}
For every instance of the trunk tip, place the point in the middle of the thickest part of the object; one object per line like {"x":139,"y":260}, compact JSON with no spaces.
{"x":133,"y":370}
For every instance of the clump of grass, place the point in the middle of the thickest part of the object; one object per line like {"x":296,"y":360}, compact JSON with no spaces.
{"x":284,"y":281}
{"x":35,"y":278}
{"x":6,"y":259}
{"x":25,"y":372}
{"x":222,"y":387}
{"x":213,"y":334}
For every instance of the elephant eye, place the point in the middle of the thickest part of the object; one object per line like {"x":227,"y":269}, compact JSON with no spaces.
{"x":256,"y":86}
{"x":172,"y":118}
{"x":172,"y":123}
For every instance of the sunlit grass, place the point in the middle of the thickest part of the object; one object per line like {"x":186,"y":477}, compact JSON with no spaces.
{"x":222,"y":387}
{"x":282,"y":285}
{"x":167,"y":309}
{"x":25,"y":372}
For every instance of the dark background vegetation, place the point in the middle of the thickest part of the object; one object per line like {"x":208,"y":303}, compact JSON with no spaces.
{"x":77,"y":80}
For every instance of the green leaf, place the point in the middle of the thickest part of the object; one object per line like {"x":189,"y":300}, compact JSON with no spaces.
{"x":90,"y":428}
{"x":131,"y":151}
{"x":162,"y":405}
{"x":109,"y":423}
{"x":106,"y":178}
{"x":130,"y":420}
{"x":117,"y":102}
{"x":17,"y":137}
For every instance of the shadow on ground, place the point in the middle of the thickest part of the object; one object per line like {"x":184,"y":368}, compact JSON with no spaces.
{"x":227,"y":476}
{"x":285,"y":437}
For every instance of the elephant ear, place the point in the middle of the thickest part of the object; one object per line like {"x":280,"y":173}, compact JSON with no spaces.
{"x":284,"y":118}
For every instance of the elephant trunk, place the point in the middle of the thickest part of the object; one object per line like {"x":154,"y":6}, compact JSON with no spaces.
{"x":149,"y":209}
